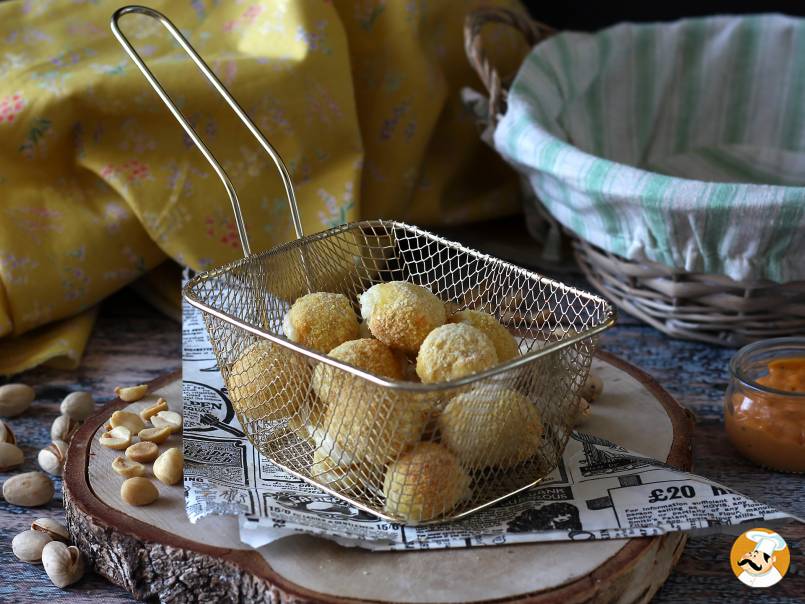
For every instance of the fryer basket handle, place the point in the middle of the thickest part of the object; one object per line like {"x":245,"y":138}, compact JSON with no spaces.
{"x":233,"y":104}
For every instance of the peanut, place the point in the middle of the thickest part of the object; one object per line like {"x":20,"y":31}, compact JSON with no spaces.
{"x":138,"y":491}
{"x":143,"y":452}
{"x":156,"y":435}
{"x":127,"y":419}
{"x":148,"y":413}
{"x":131,"y":394}
{"x":169,"y":466}
{"x":127,"y":468}
{"x":583,"y":412}
{"x":117,"y":438}
{"x":592,"y":388}
{"x":169,"y":419}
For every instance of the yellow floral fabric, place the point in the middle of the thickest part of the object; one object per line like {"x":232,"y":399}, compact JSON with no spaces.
{"x":99,"y":184}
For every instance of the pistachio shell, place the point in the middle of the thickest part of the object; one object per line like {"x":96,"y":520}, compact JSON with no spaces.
{"x":63,"y":428}
{"x":53,"y":528}
{"x":51,"y":458}
{"x":6,"y":434}
{"x":10,"y":456}
{"x":29,"y":489}
{"x":64,"y":565}
{"x":15,"y":398}
{"x":28,"y":545}
{"x":78,"y":405}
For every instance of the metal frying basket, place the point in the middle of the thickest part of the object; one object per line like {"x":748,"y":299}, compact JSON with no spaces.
{"x":377,"y":443}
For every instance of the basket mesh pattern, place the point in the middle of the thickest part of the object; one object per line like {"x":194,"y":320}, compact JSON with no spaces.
{"x":383,"y":445}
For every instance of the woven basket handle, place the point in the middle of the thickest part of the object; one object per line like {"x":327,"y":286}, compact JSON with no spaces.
{"x":533,"y":32}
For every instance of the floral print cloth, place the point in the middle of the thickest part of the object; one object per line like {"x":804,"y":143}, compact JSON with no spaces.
{"x":99,"y":184}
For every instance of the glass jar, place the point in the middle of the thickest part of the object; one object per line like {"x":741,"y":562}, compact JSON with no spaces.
{"x":764,"y":407}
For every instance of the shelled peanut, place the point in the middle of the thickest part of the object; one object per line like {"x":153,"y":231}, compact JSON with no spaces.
{"x":139,"y":434}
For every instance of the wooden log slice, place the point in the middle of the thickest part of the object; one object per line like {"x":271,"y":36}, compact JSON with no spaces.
{"x":154,"y":551}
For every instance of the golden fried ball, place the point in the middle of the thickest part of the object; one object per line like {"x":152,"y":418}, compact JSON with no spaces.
{"x":321,"y":321}
{"x":401,"y":314}
{"x":368,"y":354}
{"x":376,"y":427}
{"x":505,"y":344}
{"x":337,"y":476}
{"x":493,"y":426}
{"x":424,"y":483}
{"x":363,"y":421}
{"x":269,"y":382}
{"x":453,"y":351}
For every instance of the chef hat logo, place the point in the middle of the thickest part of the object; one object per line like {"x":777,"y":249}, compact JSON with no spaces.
{"x":760,"y":557}
{"x":767,"y":543}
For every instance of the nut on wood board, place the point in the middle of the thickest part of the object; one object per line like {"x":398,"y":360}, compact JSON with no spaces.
{"x":146,"y":560}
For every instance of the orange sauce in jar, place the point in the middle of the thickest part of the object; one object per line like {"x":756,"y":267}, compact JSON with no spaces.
{"x":769,"y":428}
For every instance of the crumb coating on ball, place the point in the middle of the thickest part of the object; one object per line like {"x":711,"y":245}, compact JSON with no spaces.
{"x":364,"y":422}
{"x":491,"y":426}
{"x":453,"y":351}
{"x":376,"y":427}
{"x":424,"y":483}
{"x":367,"y":354}
{"x":268,"y":382}
{"x":401,"y":314}
{"x":334,"y":475}
{"x":504,"y":342}
{"x":321,"y":321}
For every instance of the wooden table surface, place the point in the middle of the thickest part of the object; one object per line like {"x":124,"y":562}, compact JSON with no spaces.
{"x":133,"y":343}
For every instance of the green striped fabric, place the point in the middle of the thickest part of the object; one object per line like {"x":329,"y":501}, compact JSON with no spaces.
{"x":679,"y":143}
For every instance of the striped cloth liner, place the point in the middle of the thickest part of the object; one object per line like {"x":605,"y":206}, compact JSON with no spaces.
{"x":679,"y":143}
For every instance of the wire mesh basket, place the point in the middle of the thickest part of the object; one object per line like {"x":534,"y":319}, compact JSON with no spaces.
{"x":403,"y":450}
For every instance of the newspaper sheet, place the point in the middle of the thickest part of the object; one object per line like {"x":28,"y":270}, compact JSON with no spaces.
{"x":599,"y":491}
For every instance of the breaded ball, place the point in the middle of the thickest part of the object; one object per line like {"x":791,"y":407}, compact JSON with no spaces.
{"x":424,"y":483}
{"x":453,"y":351}
{"x":505,"y":344}
{"x":368,"y":354}
{"x":376,"y":427}
{"x":321,"y":321}
{"x":334,"y":475}
{"x":268,"y":382}
{"x":364,"y":422}
{"x":491,"y":426}
{"x":401,"y":314}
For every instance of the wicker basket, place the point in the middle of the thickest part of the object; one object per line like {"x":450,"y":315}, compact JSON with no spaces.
{"x":708,"y":308}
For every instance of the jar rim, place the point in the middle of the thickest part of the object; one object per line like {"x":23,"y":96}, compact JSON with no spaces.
{"x":738,"y":374}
